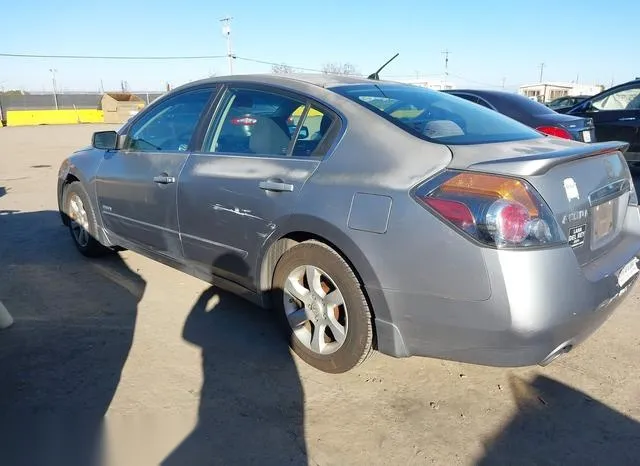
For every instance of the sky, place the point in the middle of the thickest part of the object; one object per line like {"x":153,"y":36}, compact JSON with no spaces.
{"x":490,"y":42}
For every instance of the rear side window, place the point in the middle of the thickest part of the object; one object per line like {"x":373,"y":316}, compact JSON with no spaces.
{"x":264,"y":123}
{"x":436,"y":116}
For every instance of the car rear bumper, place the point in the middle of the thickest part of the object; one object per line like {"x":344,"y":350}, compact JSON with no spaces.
{"x":542,"y":304}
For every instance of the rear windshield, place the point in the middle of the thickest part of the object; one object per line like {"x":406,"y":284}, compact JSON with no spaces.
{"x":525,"y":105}
{"x":436,"y":116}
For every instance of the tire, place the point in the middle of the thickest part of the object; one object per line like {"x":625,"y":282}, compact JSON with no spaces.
{"x":84,"y":231}
{"x":340,"y":322}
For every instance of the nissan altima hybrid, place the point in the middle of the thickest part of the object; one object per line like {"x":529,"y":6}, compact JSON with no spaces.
{"x":368,"y":215}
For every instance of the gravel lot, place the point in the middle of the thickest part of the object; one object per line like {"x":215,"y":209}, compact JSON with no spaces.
{"x":189,"y":375}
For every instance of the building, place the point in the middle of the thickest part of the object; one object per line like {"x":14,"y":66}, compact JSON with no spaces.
{"x":548,"y":91}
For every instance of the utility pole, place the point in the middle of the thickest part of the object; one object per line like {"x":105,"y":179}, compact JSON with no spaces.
{"x":226,"y":31}
{"x":541,"y":71}
{"x":504,"y":79}
{"x":55,"y":91}
{"x":446,"y":67}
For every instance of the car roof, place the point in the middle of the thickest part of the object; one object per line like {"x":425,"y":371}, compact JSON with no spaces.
{"x":316,"y":79}
{"x":485,"y":92}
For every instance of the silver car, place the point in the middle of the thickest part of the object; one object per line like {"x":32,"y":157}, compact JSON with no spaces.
{"x":441,"y":229}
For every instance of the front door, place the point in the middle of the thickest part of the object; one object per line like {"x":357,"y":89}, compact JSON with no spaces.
{"x":616,"y":116}
{"x":259,"y":151}
{"x":136,"y":186}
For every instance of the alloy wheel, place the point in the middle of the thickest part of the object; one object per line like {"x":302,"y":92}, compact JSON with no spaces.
{"x":315,"y":309}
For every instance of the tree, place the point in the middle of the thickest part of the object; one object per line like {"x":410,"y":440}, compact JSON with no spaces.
{"x":339,"y":68}
{"x":281,"y":69}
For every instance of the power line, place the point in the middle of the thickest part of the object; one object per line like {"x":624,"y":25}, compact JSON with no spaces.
{"x":473,"y":81}
{"x":265,"y":62}
{"x":111,"y":57}
{"x":177,"y":57}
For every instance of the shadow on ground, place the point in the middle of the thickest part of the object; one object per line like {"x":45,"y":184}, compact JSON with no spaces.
{"x":3,"y":191}
{"x":60,"y":362}
{"x":251,"y":402}
{"x":558,"y":425}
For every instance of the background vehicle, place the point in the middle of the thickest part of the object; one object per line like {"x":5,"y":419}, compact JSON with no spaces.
{"x":531,"y":113}
{"x":616,"y":116}
{"x":402,"y":217}
{"x":567,"y":101}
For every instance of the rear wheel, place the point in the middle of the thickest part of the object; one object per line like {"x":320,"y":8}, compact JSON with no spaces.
{"x":323,"y":308}
{"x":82,"y":221}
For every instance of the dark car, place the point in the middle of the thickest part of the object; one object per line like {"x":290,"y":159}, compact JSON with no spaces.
{"x":402,"y":218}
{"x":531,"y":113}
{"x":616,"y":116}
{"x":566,"y":102}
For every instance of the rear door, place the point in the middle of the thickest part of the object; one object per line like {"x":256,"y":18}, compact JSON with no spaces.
{"x":261,"y":147}
{"x":136,"y":186}
{"x":616,"y":115}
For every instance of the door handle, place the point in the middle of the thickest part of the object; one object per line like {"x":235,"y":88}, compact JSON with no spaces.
{"x":164,"y":179}
{"x":277,"y":186}
{"x":627,"y":119}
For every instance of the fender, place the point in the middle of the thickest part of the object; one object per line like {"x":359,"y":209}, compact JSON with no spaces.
{"x":334,"y":237}
{"x":83,"y":165}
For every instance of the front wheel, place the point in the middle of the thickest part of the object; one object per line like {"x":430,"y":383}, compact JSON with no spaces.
{"x":82,"y":220}
{"x":323,"y":308}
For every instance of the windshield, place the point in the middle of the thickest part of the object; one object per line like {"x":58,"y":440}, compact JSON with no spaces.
{"x":436,"y":116}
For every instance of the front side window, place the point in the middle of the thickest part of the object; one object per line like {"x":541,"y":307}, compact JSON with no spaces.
{"x":436,"y":116}
{"x":256,"y":122}
{"x":170,"y":125}
{"x":625,"y":99}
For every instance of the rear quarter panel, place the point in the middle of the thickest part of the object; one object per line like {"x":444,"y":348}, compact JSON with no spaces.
{"x":417,"y":252}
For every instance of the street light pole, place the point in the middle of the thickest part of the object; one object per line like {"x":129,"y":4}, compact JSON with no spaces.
{"x":446,"y":68}
{"x":55,"y":91}
{"x":226,"y":31}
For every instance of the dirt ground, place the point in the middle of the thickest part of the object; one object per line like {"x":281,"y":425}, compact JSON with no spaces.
{"x":189,"y":375}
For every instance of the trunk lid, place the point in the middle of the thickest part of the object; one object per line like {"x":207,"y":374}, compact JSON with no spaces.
{"x":587,"y":187}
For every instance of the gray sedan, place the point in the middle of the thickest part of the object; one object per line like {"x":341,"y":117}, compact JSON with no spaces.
{"x":368,"y":215}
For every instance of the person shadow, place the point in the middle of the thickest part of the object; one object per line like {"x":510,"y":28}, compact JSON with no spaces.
{"x":251,"y":402}
{"x":558,"y":425}
{"x":61,"y":360}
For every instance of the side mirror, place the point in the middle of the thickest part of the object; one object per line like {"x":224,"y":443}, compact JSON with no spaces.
{"x":304,"y":133}
{"x":105,"y":140}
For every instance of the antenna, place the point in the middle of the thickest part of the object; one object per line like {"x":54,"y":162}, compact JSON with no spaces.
{"x":376,"y":75}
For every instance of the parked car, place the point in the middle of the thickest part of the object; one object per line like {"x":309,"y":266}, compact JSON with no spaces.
{"x":567,"y":101}
{"x":402,"y":219}
{"x":531,"y":113}
{"x":616,"y":116}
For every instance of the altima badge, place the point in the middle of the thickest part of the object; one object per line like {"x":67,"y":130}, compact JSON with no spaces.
{"x":571,"y":188}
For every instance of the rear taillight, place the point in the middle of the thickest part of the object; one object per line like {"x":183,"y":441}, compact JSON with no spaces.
{"x":245,"y":121}
{"x":555,"y":131}
{"x":495,"y":210}
{"x":633,"y":195}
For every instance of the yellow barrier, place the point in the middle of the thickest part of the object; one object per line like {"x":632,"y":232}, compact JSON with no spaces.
{"x":53,"y":117}
{"x":312,"y":112}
